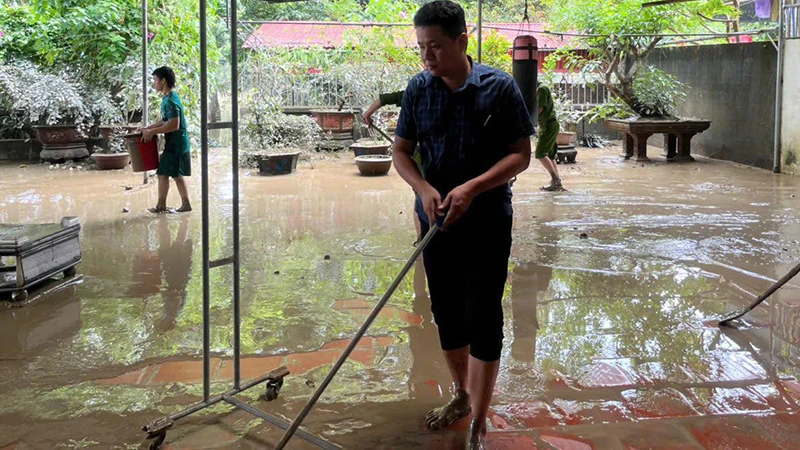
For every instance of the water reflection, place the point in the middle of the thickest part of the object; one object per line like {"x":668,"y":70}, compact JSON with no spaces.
{"x":176,"y":264}
{"x":427,"y":368}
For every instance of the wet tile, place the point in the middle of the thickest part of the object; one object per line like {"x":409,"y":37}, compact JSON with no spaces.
{"x":659,"y":373}
{"x":251,"y":367}
{"x":792,"y":389}
{"x":212,"y":436}
{"x":606,"y":374}
{"x":367,"y":341}
{"x":592,"y":412}
{"x":355,"y":303}
{"x":722,"y":366}
{"x":498,"y":422}
{"x":533,"y":414}
{"x":133,"y":377}
{"x":655,"y":435}
{"x":777,"y":396}
{"x":181,"y":372}
{"x":719,"y":401}
{"x":784,"y":428}
{"x":300,"y":363}
{"x":508,"y":440}
{"x":659,"y":404}
{"x":566,"y":441}
{"x":720,"y":433}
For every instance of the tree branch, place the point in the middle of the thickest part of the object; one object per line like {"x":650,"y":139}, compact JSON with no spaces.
{"x":710,"y":19}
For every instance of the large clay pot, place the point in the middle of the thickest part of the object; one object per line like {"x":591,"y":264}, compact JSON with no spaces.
{"x":112,"y":161}
{"x":373,"y":165}
{"x":59,"y":134}
{"x":565,"y":138}
{"x":61,"y":142}
{"x":334,"y":121}
{"x":277,"y":164}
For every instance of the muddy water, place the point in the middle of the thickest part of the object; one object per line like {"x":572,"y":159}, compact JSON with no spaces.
{"x":608,"y":340}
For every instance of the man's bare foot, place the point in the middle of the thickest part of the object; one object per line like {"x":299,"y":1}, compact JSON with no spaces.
{"x":476,"y":438}
{"x":554,"y":186}
{"x":457,"y":408}
{"x":185,"y":207}
{"x":158,"y":209}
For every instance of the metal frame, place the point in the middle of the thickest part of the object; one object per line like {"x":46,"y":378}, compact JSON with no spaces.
{"x":157,"y":429}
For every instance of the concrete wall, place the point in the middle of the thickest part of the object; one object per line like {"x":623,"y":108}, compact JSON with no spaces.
{"x":732,"y":85}
{"x":790,"y":126}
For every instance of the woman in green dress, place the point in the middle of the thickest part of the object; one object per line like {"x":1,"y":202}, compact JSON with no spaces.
{"x":175,"y":161}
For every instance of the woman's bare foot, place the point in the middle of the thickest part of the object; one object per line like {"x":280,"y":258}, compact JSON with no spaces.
{"x":476,"y":438}
{"x":457,"y":408}
{"x":185,"y":207}
{"x":159,"y":209}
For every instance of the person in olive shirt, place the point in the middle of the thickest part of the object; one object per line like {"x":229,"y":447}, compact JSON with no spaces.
{"x":396,"y":99}
{"x":547,"y":144}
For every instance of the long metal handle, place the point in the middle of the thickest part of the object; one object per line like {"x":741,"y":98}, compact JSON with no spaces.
{"x":383,"y":133}
{"x":375,"y":311}
{"x":740,"y":313}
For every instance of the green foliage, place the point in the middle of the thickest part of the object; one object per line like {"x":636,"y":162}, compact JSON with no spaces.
{"x":618,"y":50}
{"x":494,"y":51}
{"x":265,"y":127}
{"x":659,"y":92}
{"x":91,"y":36}
{"x":21,"y":38}
{"x":331,"y":10}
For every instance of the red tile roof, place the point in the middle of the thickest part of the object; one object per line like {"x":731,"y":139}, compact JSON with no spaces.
{"x":333,"y":34}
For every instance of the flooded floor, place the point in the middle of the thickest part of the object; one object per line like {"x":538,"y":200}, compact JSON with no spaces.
{"x":609,"y":336}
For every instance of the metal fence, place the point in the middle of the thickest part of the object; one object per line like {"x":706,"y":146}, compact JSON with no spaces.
{"x":299,"y":90}
{"x":582,"y":94}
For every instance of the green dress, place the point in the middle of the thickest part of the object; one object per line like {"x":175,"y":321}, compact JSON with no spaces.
{"x":176,"y":160}
{"x":547,"y":143}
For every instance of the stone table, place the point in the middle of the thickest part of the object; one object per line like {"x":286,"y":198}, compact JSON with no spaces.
{"x":677,"y":136}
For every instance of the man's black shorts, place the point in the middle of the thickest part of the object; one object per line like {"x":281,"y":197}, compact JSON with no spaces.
{"x":467,"y":268}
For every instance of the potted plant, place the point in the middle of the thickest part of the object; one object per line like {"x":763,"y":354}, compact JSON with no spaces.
{"x":17,"y":140}
{"x":115,"y":155}
{"x":62,"y":117}
{"x":567,"y":117}
{"x":374,"y":165}
{"x":272,"y":140}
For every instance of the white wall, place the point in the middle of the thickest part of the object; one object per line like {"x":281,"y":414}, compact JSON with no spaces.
{"x":790,"y":126}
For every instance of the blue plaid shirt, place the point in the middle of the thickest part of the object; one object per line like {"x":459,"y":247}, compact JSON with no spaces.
{"x":462,"y":134}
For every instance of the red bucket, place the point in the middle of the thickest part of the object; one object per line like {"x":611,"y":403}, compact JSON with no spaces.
{"x":144,"y":155}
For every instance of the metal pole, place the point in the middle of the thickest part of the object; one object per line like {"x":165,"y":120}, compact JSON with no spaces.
{"x":145,"y":106}
{"x":204,"y":175}
{"x":364,"y":327}
{"x":480,"y":31}
{"x":235,"y":173}
{"x":776,"y":157}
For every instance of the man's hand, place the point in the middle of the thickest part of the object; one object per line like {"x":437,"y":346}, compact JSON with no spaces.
{"x":431,"y":202}
{"x":376,"y":105}
{"x":456,"y":204}
{"x":147,"y":135}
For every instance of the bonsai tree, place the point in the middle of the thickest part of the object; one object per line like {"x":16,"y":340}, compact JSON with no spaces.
{"x":620,"y":34}
{"x":265,"y":129}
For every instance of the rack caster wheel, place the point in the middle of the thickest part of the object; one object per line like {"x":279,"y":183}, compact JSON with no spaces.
{"x":154,"y":441}
{"x":273,"y":388}
{"x":71,"y":272}
{"x":19,"y":296}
